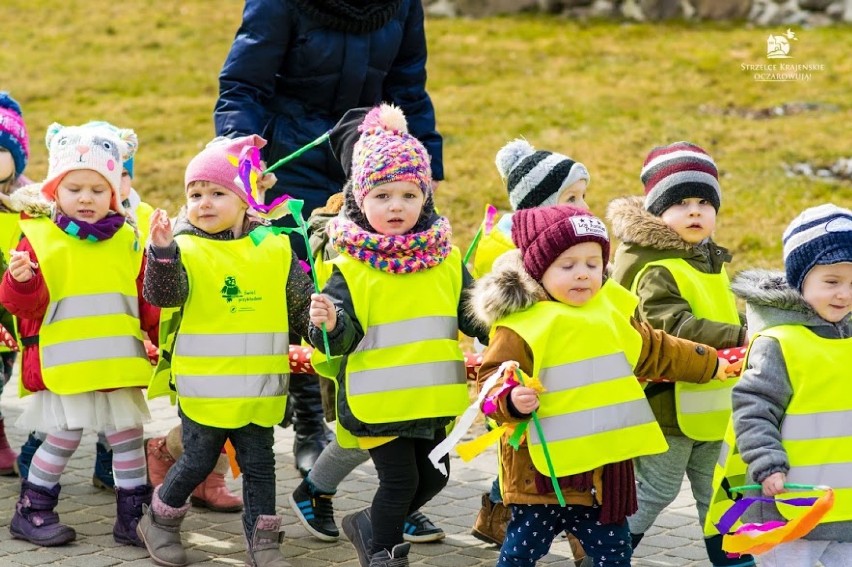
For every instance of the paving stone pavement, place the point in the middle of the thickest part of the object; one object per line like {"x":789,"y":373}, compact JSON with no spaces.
{"x":215,"y":539}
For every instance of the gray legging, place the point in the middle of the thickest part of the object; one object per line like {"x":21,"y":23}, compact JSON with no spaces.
{"x":334,"y":464}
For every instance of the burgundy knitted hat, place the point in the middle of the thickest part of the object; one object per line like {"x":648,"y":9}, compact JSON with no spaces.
{"x":543,"y":233}
{"x":676,"y":172}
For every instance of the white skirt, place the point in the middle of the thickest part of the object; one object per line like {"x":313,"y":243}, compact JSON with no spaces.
{"x":117,"y":410}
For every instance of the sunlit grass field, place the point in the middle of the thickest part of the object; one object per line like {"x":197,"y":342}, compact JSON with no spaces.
{"x":604,"y":93}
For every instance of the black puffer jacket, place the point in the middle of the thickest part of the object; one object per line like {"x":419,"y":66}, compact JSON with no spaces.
{"x":291,"y":77}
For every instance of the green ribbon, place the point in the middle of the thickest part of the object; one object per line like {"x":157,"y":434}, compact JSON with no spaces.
{"x":790,"y":485}
{"x":553,"y":478}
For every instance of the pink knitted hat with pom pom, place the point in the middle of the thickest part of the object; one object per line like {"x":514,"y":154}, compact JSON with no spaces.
{"x":386,"y":152}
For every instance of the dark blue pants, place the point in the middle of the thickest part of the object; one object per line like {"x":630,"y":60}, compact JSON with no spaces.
{"x":534,"y":526}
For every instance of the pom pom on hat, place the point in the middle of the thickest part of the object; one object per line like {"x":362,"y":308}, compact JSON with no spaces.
{"x":386,"y":152}
{"x":543,"y":233}
{"x":73,"y":148}
{"x":676,"y":172}
{"x":818,"y":236}
{"x":218,"y":163}
{"x":13,"y":132}
{"x":536,"y":178}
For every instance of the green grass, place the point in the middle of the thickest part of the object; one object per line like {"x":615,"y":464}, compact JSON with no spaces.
{"x":603,"y":93}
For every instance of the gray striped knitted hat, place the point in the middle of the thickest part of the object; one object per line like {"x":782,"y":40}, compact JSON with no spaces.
{"x":819,"y":235}
{"x":676,"y":172}
{"x":536,"y":178}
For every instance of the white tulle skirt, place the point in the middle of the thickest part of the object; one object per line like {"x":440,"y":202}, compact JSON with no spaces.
{"x":120,"y":409}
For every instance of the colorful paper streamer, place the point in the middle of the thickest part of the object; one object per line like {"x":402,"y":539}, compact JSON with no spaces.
{"x":760,"y":538}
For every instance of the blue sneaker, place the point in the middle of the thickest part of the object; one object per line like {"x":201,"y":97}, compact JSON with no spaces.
{"x":420,"y":529}
{"x":102,"y":478}
{"x":28,"y":449}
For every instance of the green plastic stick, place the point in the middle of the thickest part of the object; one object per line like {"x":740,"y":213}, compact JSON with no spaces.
{"x":540,"y":432}
{"x":473,"y":244}
{"x":296,"y":154}
{"x":786,"y":485}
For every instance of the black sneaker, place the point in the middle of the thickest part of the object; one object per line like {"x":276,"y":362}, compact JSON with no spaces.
{"x":420,"y":529}
{"x":359,"y":529}
{"x":315,"y":511}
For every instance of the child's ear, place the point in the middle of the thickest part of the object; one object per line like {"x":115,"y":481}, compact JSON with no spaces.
{"x":51,"y":133}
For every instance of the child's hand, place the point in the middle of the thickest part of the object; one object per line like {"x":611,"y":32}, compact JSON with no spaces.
{"x":525,"y":399}
{"x":265,"y":182}
{"x":774,"y":484}
{"x":161,"y":229}
{"x":722,"y":371}
{"x":20,"y":267}
{"x":323,"y":311}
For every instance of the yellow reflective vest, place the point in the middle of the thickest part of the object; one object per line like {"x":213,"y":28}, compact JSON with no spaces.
{"x":491,"y":246}
{"x":408,"y":365}
{"x":703,"y":410}
{"x":593,"y":410}
{"x":143,"y":220}
{"x":229,"y":350}
{"x":90,"y":338}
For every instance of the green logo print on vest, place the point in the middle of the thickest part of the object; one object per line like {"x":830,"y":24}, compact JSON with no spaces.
{"x":231,"y":290}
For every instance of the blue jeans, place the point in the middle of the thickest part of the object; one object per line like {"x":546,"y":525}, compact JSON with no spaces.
{"x":533,"y":527}
{"x":201,"y":448}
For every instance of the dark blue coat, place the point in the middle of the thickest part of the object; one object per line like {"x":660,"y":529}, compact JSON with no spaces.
{"x":290,"y":79}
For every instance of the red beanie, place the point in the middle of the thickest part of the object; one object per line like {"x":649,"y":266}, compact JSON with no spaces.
{"x":543,"y":233}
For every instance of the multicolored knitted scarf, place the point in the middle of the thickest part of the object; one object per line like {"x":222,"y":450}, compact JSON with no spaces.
{"x":394,"y":254}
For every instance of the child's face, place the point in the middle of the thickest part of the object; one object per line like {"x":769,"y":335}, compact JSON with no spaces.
{"x":692,"y":219}
{"x":574,"y":194}
{"x":393,"y":208}
{"x":828,"y":289}
{"x":85,"y":195}
{"x":214,"y":208}
{"x":7,"y":170}
{"x":126,"y":183}
{"x":576,"y":275}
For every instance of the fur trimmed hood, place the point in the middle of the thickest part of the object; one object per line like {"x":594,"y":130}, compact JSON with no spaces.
{"x":770,"y":301}
{"x":29,"y":200}
{"x":632,"y":224}
{"x":507,"y":289}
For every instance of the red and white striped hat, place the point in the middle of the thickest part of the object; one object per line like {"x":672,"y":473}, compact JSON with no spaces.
{"x":679,"y":171}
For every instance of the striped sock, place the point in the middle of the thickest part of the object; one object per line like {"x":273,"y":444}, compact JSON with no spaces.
{"x":52,"y":457}
{"x":128,"y":457}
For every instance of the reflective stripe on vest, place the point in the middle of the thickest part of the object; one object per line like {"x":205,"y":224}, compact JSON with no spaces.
{"x":409,"y":364}
{"x":92,"y":305}
{"x":90,"y":337}
{"x":702,"y":409}
{"x":592,"y":410}
{"x":240,"y":374}
{"x":812,"y":434}
{"x":256,"y":386}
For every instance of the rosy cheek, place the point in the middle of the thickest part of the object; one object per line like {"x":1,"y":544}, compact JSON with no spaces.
{"x":110,"y":165}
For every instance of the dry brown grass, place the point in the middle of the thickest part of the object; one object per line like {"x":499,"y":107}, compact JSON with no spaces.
{"x":604,"y":93}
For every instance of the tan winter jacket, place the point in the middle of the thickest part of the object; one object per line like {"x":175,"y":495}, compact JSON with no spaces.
{"x":509,"y":288}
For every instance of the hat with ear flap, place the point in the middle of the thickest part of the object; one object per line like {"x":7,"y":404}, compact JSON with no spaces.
{"x":72,"y":148}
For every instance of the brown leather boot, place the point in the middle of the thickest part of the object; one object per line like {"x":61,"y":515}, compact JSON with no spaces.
{"x":491,"y":522}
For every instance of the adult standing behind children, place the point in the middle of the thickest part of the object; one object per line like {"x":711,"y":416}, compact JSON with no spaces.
{"x":294,"y":69}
